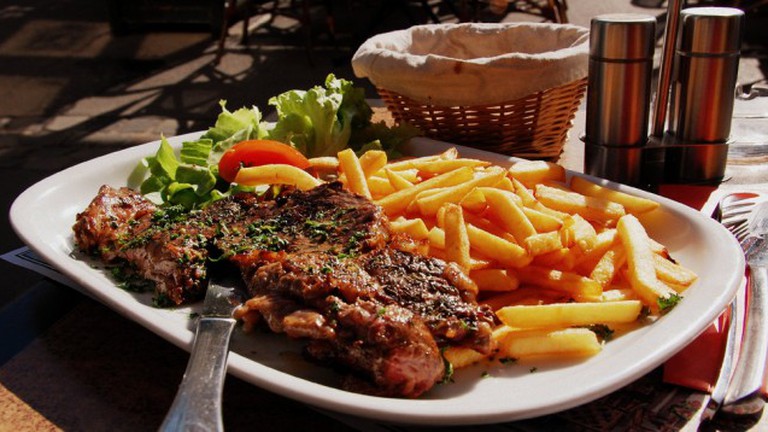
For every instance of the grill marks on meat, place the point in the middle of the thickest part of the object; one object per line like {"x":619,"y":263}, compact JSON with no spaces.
{"x":320,"y":265}
{"x":436,"y":291}
{"x":325,"y":219}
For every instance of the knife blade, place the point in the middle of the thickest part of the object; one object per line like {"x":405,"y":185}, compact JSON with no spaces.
{"x":197,"y":405}
{"x":744,"y":395}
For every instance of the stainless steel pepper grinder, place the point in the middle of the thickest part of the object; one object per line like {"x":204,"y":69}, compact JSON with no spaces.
{"x":618,"y":95}
{"x":702,"y":94}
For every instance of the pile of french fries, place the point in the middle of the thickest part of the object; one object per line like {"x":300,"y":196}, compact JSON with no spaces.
{"x":554,"y":260}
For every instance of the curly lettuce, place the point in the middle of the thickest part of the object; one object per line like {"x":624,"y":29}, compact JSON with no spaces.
{"x":320,"y":121}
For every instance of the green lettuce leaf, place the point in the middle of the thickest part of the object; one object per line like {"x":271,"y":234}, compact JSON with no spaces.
{"x":320,"y":121}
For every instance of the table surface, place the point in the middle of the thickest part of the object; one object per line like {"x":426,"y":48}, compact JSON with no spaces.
{"x":68,"y":362}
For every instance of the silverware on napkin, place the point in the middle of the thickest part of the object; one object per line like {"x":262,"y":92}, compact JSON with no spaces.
{"x":744,"y":396}
{"x":737,"y":390}
{"x":731,"y":211}
{"x":197,"y":405}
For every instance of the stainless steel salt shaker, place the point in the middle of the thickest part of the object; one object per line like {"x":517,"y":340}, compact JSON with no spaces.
{"x":706,"y":67}
{"x":703,"y":88}
{"x":618,"y":95}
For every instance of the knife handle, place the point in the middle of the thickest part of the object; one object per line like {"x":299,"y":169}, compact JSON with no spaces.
{"x":197,"y":405}
{"x":743,"y":395}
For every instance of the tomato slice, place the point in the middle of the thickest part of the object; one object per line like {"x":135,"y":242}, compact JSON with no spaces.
{"x":258,"y":152}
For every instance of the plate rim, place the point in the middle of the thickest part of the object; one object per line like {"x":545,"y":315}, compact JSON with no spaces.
{"x":419,"y":411}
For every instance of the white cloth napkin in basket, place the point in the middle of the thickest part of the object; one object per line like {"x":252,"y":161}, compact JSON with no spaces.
{"x":474,"y":63}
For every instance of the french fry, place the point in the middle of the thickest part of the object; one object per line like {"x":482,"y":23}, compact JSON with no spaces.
{"x":542,"y":222}
{"x":604,"y":240}
{"x":577,"y":231}
{"x":580,"y":287}
{"x":539,"y":244}
{"x":560,"y":315}
{"x":525,"y":194}
{"x":590,"y":208}
{"x":551,"y":259}
{"x":397,"y":202}
{"x":436,"y":238}
{"x":503,"y":251}
{"x":641,"y":266}
{"x":460,"y":357}
{"x":569,"y":260}
{"x":456,"y":238}
{"x":440,"y":166}
{"x":324,"y":163}
{"x":572,"y":342}
{"x":474,"y":201}
{"x":429,"y":205}
{"x":531,"y":173}
{"x":372,"y":161}
{"x":503,"y":207}
{"x":506,"y":184}
{"x":608,"y":266}
{"x":658,"y":248}
{"x":415,"y":228}
{"x":350,"y":166}
{"x":450,"y":153}
{"x":633,"y":204}
{"x":487,"y":225}
{"x":397,"y":181}
{"x":407,"y":164}
{"x":494,"y":280}
{"x":379,"y":187}
{"x":276,"y":174}
{"x":672,"y":273}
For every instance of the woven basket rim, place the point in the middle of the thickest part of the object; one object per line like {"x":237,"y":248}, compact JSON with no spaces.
{"x":563,"y":87}
{"x":534,"y":126}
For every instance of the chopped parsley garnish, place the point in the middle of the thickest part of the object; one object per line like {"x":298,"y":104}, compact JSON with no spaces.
{"x":162,"y":301}
{"x":602,"y":331}
{"x":667,"y":303}
{"x":448,"y":366}
{"x":170,"y":215}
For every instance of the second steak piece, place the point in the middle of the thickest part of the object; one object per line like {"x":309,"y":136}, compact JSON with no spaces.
{"x":338,"y":280}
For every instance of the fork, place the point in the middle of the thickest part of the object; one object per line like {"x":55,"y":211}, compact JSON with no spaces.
{"x":744,"y":397}
{"x":732,"y":212}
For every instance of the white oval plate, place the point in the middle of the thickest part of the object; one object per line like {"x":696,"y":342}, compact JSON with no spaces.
{"x":44,"y":214}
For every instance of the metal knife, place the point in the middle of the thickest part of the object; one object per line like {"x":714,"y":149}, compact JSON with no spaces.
{"x":197,"y":405}
{"x":743,"y":396}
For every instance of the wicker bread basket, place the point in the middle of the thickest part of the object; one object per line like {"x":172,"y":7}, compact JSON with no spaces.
{"x":436,"y":78}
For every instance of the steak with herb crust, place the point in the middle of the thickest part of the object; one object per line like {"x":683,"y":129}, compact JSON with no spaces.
{"x":165,"y":247}
{"x":320,"y":265}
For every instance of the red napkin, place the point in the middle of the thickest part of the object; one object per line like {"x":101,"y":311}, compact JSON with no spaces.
{"x":697,"y":366}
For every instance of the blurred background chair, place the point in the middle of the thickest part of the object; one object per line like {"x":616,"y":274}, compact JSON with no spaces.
{"x":241,"y":12}
{"x":301,"y":10}
{"x":551,"y":10}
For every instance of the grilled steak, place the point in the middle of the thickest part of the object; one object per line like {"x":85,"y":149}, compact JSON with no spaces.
{"x":320,"y":265}
{"x":164,"y":247}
